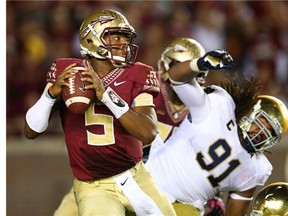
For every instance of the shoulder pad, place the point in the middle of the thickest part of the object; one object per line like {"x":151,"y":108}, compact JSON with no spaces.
{"x":146,"y":76}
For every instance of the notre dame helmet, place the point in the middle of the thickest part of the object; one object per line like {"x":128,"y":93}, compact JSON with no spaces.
{"x":275,"y":113}
{"x":272,"y":200}
{"x":179,"y":50}
{"x":105,"y":23}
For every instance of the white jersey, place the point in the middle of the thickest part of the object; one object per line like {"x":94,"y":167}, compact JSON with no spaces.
{"x":205,"y":156}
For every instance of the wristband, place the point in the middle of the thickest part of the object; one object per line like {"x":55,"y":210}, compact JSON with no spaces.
{"x":114,"y":102}
{"x":37,"y":117}
{"x":238,"y":197}
{"x":49,"y":95}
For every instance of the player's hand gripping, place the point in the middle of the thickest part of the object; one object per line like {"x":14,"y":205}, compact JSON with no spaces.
{"x":60,"y":82}
{"x":214,"y":60}
{"x":215,"y":207}
{"x":95,"y":83}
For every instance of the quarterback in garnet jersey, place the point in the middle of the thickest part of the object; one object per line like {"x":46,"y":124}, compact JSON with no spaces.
{"x":105,"y":142}
{"x":86,"y":132}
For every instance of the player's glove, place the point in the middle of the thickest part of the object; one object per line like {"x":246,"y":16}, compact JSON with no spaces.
{"x":216,"y":207}
{"x":214,"y":60}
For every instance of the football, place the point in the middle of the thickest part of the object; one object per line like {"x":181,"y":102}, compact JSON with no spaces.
{"x":76,"y":97}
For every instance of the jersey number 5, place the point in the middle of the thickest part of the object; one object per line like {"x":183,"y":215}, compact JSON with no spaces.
{"x":106,"y":121}
{"x":218,"y":159}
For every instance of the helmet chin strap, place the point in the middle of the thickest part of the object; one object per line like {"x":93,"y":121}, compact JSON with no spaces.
{"x":117,"y":61}
{"x":118,"y":64}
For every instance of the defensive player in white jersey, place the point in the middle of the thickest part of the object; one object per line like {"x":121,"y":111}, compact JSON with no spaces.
{"x":220,"y":145}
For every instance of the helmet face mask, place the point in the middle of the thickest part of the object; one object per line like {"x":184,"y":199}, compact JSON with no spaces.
{"x":130,"y":50}
{"x":179,"y":50}
{"x":264,"y":138}
{"x":272,"y":200}
{"x":164,"y":65}
{"x":95,"y":34}
{"x":270,"y":116}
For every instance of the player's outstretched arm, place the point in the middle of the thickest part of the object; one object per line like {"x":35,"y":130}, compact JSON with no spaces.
{"x":213,"y":60}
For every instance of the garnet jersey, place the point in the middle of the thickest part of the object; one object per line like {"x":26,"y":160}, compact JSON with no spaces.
{"x":98,"y":145}
{"x":168,"y":116}
{"x":205,"y":156}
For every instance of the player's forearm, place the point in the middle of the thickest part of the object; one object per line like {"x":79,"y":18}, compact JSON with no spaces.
{"x":37,"y":117}
{"x":29,"y":133}
{"x":182,"y":72}
{"x":140,"y":121}
{"x":236,"y":210}
{"x":142,"y":125}
{"x":236,"y":207}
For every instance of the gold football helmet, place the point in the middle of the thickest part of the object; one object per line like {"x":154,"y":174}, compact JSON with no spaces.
{"x":179,"y":50}
{"x":105,"y":23}
{"x":272,"y":200}
{"x":275,"y":113}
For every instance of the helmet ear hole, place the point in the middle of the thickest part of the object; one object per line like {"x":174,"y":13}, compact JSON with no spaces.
{"x":102,"y":51}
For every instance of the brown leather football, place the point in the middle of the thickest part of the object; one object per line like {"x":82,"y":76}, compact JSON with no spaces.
{"x":76,"y":97}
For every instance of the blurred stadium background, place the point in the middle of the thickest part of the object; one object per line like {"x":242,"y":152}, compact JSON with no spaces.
{"x":37,"y":32}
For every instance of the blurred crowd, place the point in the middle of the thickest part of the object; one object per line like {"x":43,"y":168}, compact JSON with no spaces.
{"x":254,"y":32}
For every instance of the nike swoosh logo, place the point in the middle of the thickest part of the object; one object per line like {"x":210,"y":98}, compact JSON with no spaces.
{"x":118,"y":83}
{"x":122,"y":183}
